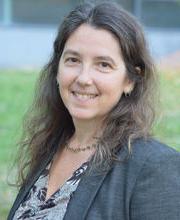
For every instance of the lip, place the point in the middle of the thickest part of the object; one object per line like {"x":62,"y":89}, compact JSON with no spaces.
{"x":88,"y":97}
{"x":84,"y":93}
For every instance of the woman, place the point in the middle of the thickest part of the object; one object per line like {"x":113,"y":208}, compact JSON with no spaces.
{"x":87,"y":150}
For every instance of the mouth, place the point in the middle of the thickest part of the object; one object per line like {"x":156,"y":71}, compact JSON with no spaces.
{"x":84,"y":96}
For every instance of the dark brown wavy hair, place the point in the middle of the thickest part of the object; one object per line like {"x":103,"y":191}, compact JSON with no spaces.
{"x":48,"y":123}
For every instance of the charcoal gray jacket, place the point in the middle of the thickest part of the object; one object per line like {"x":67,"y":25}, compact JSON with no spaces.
{"x":146,"y":186}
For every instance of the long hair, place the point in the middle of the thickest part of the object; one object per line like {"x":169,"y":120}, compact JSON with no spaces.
{"x":48,"y":122}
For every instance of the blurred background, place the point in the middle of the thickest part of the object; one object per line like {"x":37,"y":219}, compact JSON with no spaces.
{"x":28,"y":28}
{"x":27,"y":32}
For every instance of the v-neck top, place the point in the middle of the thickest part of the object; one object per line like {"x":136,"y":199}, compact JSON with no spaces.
{"x":36,"y":207}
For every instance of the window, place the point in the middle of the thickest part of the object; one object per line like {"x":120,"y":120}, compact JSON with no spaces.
{"x":1,"y":11}
{"x":162,"y":13}
{"x":152,"y":13}
{"x":40,"y":11}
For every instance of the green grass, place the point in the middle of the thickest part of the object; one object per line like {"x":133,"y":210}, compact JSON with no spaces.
{"x":16,"y":91}
{"x":167,"y":127}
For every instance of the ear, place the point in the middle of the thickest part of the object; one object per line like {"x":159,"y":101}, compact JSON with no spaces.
{"x":128,"y":87}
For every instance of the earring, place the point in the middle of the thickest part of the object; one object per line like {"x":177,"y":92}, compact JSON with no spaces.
{"x":127,"y":94}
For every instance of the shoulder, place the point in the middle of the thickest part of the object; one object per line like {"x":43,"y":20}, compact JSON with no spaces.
{"x":157,"y":178}
{"x":150,"y":158}
{"x":153,"y":151}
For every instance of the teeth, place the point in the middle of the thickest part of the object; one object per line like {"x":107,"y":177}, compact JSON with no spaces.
{"x":84,"y":96}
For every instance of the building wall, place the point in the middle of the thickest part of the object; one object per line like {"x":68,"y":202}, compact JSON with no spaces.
{"x":28,"y":28}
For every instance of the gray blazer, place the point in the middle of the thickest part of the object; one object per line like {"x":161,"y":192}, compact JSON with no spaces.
{"x":146,"y":186}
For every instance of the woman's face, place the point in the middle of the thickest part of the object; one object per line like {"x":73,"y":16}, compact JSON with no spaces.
{"x":91,"y":74}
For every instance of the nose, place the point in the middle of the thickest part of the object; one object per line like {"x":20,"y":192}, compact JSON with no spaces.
{"x":84,"y":77}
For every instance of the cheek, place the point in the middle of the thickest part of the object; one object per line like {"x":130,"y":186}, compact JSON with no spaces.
{"x":64,"y":78}
{"x":112,"y":86}
{"x":112,"y":95}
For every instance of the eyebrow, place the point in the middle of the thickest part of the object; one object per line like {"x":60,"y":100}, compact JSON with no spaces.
{"x":72,"y":52}
{"x":106,"y":58}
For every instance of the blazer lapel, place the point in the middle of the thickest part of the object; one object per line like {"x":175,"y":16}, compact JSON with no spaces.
{"x":84,"y":196}
{"x":25,"y":189}
{"x":86,"y":191}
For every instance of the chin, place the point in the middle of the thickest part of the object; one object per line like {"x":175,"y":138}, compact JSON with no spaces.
{"x":82,"y":115}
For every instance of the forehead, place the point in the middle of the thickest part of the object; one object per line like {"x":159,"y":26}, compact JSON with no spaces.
{"x":94,"y":40}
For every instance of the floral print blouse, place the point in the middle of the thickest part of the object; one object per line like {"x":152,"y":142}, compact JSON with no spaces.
{"x":34,"y":205}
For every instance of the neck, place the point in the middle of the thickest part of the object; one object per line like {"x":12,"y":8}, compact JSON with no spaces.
{"x":85,"y":131}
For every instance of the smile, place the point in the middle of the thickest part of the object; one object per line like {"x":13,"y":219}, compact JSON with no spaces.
{"x":83,"y":96}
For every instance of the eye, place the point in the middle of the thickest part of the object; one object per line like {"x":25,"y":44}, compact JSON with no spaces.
{"x":104,"y":66}
{"x":71,"y":60}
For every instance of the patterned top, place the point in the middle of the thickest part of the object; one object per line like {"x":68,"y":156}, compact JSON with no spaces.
{"x":34,"y":205}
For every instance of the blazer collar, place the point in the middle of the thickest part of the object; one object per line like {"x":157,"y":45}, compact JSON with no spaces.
{"x":84,"y":195}
{"x":86,"y":191}
{"x":25,"y":189}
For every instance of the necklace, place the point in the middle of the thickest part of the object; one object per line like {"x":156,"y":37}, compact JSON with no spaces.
{"x":80,"y":149}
